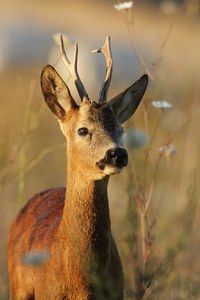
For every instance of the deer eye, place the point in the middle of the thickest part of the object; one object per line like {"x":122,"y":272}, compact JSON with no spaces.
{"x":83,"y":131}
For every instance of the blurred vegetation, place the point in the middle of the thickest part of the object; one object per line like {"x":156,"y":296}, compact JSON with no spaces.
{"x":154,"y":203}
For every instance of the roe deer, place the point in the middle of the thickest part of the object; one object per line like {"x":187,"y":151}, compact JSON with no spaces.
{"x":73,"y":225}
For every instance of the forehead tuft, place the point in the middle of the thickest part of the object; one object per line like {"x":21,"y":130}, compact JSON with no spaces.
{"x":96,"y":112}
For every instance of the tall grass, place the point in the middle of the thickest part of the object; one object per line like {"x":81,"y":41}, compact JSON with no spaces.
{"x":17,"y":160}
{"x":151,"y":275}
{"x":161,"y":238}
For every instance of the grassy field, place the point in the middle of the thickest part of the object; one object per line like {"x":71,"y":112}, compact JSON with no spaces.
{"x":155,"y":202}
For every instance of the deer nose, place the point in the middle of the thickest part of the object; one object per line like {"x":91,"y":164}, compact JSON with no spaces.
{"x":117,"y":157}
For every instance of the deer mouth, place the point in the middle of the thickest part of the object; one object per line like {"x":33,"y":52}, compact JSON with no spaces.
{"x":114,"y":161}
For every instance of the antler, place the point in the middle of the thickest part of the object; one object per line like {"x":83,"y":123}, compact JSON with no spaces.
{"x":106,"y":50}
{"x":72,"y":68}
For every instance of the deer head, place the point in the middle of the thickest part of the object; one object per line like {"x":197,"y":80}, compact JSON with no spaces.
{"x":93,"y":129}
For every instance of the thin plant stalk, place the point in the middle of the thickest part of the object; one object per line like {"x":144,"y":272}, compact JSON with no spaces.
{"x":145,"y":198}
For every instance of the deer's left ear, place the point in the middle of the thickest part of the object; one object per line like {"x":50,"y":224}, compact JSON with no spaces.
{"x":125,"y":104}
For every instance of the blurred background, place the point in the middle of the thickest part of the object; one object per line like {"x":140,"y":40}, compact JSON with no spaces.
{"x":161,"y":38}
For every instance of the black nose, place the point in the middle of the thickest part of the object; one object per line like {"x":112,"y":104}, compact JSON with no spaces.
{"x":117,"y":157}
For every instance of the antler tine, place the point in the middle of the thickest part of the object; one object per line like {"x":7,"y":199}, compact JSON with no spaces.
{"x":72,"y":68}
{"x":106,"y":50}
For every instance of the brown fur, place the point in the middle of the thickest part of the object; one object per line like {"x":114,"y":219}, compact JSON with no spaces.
{"x":72,"y":225}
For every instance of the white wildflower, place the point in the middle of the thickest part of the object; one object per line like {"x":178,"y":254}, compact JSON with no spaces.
{"x":123,"y":5}
{"x":36,"y":258}
{"x":167,"y":150}
{"x":162,"y":104}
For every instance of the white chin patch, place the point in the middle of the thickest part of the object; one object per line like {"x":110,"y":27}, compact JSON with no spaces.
{"x":110,"y":170}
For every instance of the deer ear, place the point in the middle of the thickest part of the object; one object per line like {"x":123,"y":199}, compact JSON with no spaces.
{"x":125,"y":104}
{"x":56,"y":93}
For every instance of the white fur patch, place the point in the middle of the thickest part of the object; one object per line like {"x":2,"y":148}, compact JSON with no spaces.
{"x":111,"y":170}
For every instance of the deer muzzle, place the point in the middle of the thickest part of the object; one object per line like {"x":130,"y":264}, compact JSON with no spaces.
{"x":116,"y":157}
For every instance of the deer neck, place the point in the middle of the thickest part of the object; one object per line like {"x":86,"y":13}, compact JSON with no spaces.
{"x":86,"y":219}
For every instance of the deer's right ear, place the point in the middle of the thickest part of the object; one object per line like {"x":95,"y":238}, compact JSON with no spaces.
{"x":125,"y":104}
{"x":56,"y":93}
